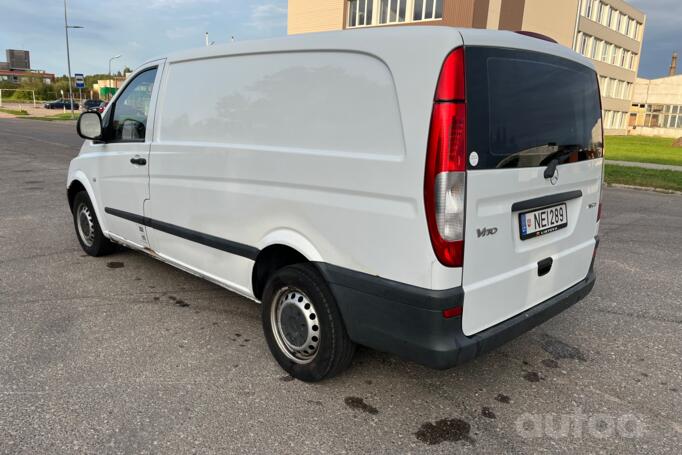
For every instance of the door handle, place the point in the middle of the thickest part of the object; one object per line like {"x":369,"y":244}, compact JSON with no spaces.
{"x":138,"y":160}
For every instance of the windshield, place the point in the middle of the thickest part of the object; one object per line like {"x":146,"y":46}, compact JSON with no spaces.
{"x":527,"y":108}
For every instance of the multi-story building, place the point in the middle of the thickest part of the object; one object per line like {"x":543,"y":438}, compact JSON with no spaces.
{"x":657,"y":107}
{"x":607,"y":31}
{"x":17,"y":68}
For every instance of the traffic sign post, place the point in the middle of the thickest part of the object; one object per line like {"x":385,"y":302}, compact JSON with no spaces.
{"x":80,"y":84}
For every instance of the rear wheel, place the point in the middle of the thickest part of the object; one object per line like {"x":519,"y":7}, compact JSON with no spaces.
{"x":303,"y":325}
{"x":88,"y":230}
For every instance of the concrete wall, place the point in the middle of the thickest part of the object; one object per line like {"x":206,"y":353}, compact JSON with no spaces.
{"x":666,"y":90}
{"x":556,"y":19}
{"x":660,"y":132}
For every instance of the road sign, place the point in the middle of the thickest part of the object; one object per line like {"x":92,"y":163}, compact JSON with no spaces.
{"x":80,"y":80}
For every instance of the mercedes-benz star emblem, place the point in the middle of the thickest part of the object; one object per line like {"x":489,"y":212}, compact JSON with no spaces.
{"x":555,"y":177}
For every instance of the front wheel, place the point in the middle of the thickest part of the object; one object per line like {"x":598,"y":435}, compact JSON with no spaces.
{"x":88,"y":230}
{"x":303,"y":325}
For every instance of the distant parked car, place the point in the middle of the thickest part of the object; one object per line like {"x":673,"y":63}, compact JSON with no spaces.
{"x":60,"y":104}
{"x":102,"y":106}
{"x":92,"y":105}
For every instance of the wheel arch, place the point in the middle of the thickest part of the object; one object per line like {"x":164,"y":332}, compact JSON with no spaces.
{"x":278,"y":249}
{"x":79,"y":182}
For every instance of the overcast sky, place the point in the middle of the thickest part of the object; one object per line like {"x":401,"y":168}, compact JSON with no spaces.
{"x":142,"y":29}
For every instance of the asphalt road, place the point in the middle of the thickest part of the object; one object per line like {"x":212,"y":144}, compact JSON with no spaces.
{"x":97,"y":355}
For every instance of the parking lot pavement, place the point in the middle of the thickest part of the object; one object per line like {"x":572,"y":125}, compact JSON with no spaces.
{"x":127,"y":354}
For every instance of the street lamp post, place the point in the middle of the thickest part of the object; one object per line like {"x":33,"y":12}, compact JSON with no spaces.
{"x":68,"y":56}
{"x":110,"y":81}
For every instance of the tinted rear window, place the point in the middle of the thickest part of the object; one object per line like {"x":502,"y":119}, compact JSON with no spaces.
{"x":526,"y":108}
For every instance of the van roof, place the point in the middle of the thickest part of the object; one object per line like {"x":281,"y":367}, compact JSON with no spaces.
{"x":374,"y":40}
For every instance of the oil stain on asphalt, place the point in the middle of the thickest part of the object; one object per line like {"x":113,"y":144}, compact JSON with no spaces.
{"x":488,"y":413}
{"x":360,"y":405}
{"x":115,"y":265}
{"x":443,"y":430}
{"x":550,"y":363}
{"x":532,"y":376}
{"x":502,"y":398}
{"x":560,"y":350}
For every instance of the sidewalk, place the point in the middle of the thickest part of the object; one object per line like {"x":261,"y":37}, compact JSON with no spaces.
{"x":668,"y":167}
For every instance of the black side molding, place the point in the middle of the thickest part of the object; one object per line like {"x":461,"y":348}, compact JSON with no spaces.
{"x":212,"y":241}
{"x":544,"y":201}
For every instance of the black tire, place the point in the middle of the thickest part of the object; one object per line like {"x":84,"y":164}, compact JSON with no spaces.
{"x":334,"y":351}
{"x":93,"y":242}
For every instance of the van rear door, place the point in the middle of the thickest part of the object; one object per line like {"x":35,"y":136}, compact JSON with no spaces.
{"x":534,"y":144}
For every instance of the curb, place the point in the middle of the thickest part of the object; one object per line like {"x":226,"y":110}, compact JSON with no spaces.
{"x":642,"y":188}
{"x":654,"y":166}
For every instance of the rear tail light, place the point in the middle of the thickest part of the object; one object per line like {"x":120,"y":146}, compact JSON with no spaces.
{"x":445,"y":178}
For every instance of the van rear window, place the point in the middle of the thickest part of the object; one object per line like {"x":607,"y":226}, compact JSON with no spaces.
{"x":526,"y":108}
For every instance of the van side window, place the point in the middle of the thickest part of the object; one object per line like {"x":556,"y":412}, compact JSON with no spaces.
{"x":129,"y":119}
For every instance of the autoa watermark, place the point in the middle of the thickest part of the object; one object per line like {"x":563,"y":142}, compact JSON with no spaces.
{"x":579,"y":425}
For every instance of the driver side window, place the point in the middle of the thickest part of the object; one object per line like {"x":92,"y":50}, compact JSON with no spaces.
{"x":129,"y":119}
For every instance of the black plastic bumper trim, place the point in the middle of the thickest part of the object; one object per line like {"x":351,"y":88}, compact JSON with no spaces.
{"x":407,"y":321}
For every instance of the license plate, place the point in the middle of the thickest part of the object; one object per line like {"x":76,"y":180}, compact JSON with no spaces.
{"x":543,"y":221}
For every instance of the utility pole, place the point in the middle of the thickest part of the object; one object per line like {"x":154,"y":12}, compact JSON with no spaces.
{"x":112,"y":58}
{"x":68,"y":56}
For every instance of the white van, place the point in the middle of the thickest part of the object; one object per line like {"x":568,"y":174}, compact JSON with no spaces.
{"x":426,"y":191}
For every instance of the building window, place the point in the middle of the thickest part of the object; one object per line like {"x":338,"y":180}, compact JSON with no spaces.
{"x":583,"y":44}
{"x":588,"y":9}
{"x":362,"y":13}
{"x":425,"y":10}
{"x":593,"y":49}
{"x":600,"y":12}
{"x":663,"y":116}
{"x":609,"y":17}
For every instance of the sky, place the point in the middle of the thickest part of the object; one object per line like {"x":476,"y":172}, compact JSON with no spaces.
{"x":142,"y":29}
{"x":139,"y":30}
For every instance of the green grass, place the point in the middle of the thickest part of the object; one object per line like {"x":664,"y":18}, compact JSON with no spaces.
{"x":50,"y":118}
{"x":650,"y":178}
{"x":13,"y":111}
{"x":643,"y":149}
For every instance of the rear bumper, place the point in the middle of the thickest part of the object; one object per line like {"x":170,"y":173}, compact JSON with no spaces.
{"x":408,"y":321}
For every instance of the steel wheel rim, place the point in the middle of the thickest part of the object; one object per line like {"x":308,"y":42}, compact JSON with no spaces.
{"x":85,"y":224}
{"x":295,"y":325}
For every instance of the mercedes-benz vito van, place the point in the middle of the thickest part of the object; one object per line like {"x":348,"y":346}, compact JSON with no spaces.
{"x":426,"y":191}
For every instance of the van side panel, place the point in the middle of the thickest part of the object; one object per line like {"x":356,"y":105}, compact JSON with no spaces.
{"x":313,"y":142}
{"x":316,"y":103}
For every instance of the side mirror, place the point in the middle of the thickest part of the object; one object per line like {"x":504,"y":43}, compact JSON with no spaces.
{"x":89,"y":126}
